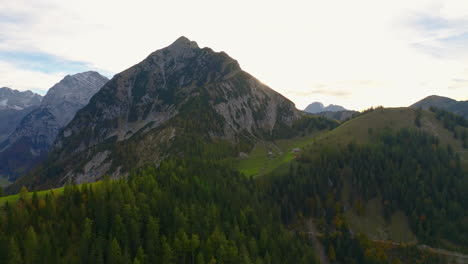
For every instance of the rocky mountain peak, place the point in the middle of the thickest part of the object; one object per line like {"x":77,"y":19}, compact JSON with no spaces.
{"x":183,"y":42}
{"x":159,"y":106}
{"x":182,"y":48}
{"x":314,"y":107}
{"x":75,"y":89}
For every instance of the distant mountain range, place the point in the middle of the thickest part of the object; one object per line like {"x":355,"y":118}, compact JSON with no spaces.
{"x":318,"y":107}
{"x":457,"y":107}
{"x":34,"y":134}
{"x":331,"y":111}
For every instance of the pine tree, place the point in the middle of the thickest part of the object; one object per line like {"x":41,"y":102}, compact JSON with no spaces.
{"x":30,"y":247}
{"x":152,"y":242}
{"x":167,"y":252}
{"x":200,"y":258}
{"x":331,"y":253}
{"x":24,"y":194}
{"x":140,"y":256}
{"x":14,"y":254}
{"x":194,"y":244}
{"x":115,"y":254}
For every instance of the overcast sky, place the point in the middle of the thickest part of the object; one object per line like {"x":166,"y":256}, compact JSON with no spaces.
{"x":353,"y":53}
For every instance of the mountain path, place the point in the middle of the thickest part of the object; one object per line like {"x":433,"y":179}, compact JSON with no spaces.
{"x":317,"y":245}
{"x":312,"y":232}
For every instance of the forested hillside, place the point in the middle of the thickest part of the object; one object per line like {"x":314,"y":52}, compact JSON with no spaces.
{"x":409,"y":169}
{"x":187,"y":212}
{"x":182,"y":212}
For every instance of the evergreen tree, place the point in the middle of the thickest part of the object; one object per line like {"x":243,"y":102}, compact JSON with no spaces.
{"x":30,"y":246}
{"x":14,"y":254}
{"x":115,"y":253}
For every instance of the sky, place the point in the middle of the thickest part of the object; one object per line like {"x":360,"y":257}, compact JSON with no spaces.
{"x":357,"y":54}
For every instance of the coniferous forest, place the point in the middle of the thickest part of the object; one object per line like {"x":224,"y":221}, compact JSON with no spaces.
{"x":181,"y":212}
{"x":199,"y":211}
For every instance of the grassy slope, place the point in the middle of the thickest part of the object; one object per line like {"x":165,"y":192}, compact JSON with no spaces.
{"x":15,"y":197}
{"x":260,"y":162}
{"x":357,"y":130}
{"x":40,"y":194}
{"x":360,"y":129}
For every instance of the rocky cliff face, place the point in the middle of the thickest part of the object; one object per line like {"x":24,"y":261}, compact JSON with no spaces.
{"x":32,"y":138}
{"x":176,"y":96}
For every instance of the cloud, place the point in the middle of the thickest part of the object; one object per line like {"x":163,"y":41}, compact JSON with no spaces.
{"x":41,"y":62}
{"x":440,"y":34}
{"x":309,"y":49}
{"x":344,"y":94}
{"x":458,"y":84}
{"x":21,"y":79}
{"x":339,"y":89}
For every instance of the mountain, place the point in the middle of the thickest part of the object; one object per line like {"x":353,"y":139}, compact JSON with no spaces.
{"x":451,"y":105}
{"x":17,"y":100}
{"x":318,"y":107}
{"x":14,"y":105}
{"x":315,"y":107}
{"x":31,"y":140}
{"x":180,"y":100}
